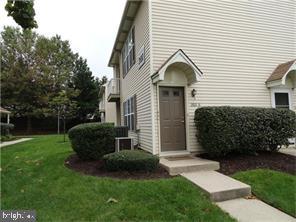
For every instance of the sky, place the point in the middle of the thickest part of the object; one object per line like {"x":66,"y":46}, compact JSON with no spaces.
{"x":89,"y":25}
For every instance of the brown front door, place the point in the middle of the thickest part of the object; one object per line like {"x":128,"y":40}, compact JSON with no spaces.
{"x":172,"y":118}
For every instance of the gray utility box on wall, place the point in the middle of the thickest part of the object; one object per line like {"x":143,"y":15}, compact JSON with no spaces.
{"x":124,"y":143}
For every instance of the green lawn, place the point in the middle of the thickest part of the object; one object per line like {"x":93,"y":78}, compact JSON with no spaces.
{"x":275,"y":188}
{"x":33,"y":176}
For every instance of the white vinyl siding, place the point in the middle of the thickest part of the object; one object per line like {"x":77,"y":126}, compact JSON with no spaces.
{"x":236,"y":44}
{"x":138,"y":82}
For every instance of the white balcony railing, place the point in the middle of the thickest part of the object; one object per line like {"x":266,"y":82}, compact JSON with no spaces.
{"x":113,"y":88}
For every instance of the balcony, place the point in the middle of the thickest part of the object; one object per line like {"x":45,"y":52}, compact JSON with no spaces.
{"x":113,"y":90}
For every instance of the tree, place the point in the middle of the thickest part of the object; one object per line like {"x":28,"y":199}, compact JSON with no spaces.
{"x":100,"y":83}
{"x":56,"y":62}
{"x":84,"y":82}
{"x":21,"y":87}
{"x":64,"y":107}
{"x":34,"y":70}
{"x":22,"y":11}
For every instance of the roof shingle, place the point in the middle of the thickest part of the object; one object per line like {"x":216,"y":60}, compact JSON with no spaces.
{"x":280,"y":71}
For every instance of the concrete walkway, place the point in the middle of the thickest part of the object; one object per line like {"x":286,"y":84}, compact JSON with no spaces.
{"x":218,"y":186}
{"x":291,"y":150}
{"x":253,"y":210}
{"x":226,"y":191}
{"x":14,"y":142}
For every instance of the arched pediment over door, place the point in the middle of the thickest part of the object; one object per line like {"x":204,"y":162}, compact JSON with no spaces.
{"x":182,"y":62}
{"x":283,"y":75}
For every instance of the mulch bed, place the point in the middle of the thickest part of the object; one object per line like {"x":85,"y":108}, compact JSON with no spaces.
{"x":233,"y":163}
{"x":96,"y":168}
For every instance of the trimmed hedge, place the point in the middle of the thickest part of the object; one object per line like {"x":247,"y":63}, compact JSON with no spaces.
{"x":130,"y":160}
{"x":92,"y":140}
{"x":6,"y":128}
{"x":225,"y":129}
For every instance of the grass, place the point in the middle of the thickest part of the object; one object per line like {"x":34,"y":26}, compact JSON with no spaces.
{"x":33,"y":176}
{"x":273,"y":187}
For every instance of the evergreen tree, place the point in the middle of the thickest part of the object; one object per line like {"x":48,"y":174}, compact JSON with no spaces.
{"x":84,"y":82}
{"x":23,"y":13}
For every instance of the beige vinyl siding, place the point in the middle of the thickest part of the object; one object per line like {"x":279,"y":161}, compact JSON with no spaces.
{"x":294,"y":100}
{"x":137,"y":81}
{"x":110,"y":110}
{"x":236,"y":44}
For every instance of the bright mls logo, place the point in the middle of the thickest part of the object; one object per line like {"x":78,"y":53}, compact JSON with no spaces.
{"x":141,"y":56}
{"x":18,"y":216}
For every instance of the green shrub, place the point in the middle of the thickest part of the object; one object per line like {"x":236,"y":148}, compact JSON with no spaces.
{"x":224,"y":129}
{"x":6,"y":128}
{"x":92,"y":140}
{"x":130,"y":160}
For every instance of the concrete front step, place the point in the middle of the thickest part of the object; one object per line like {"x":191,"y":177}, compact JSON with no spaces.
{"x":218,"y":186}
{"x":178,"y":165}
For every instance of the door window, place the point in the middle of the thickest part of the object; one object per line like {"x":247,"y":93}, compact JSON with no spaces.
{"x":165,"y":93}
{"x":176,"y":93}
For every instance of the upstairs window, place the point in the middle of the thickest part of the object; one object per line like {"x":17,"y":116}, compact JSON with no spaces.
{"x":129,"y":109}
{"x":128,"y":52}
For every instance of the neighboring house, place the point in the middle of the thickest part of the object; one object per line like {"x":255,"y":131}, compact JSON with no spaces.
{"x":4,"y":112}
{"x":171,"y":57}
{"x":107,"y":109}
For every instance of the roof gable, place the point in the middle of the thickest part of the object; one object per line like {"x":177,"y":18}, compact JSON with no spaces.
{"x":281,"y":70}
{"x":280,"y":73}
{"x":180,"y":59}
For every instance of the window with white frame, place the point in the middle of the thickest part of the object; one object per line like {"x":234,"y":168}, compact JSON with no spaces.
{"x":128,"y":52}
{"x":281,"y":99}
{"x":129,"y":110}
